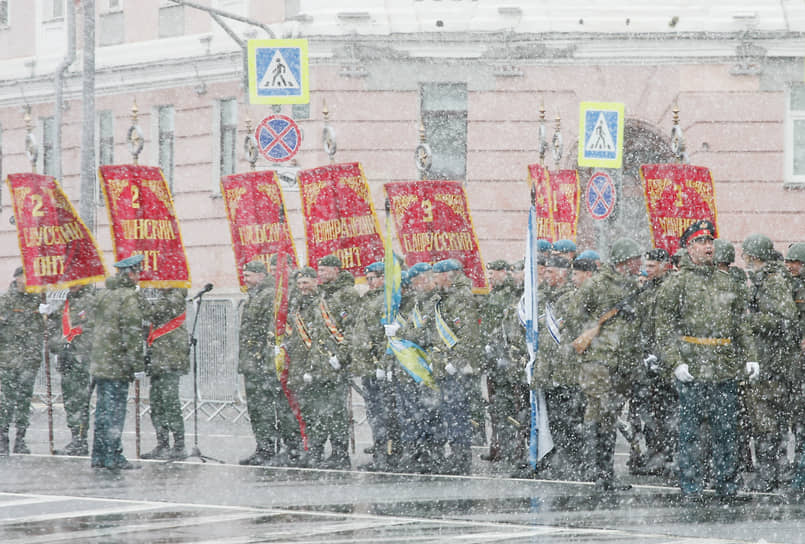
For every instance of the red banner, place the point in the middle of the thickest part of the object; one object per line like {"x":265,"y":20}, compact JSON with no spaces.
{"x":676,"y":196}
{"x":257,"y":219}
{"x":143,"y":222}
{"x":538,"y":178}
{"x":565,"y":195}
{"x":433,"y":223}
{"x":57,"y":249}
{"x":340,"y":217}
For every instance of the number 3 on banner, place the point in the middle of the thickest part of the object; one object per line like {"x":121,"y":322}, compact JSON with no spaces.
{"x":37,"y":211}
{"x":135,"y":196}
{"x":427,"y":211}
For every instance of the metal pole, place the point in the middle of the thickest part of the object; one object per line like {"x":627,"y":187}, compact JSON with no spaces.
{"x":87,"y":208}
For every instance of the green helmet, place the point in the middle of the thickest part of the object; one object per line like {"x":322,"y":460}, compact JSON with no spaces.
{"x":758,"y":246}
{"x":796,"y":252}
{"x":724,"y":252}
{"x":624,"y":249}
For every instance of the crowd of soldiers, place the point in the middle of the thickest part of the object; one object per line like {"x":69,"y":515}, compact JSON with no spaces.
{"x":697,"y":363}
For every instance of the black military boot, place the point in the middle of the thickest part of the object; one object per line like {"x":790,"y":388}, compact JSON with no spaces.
{"x":339,"y":459}
{"x":178,"y":451}
{"x":379,"y":462}
{"x":261,"y":456}
{"x":605,"y":458}
{"x":162,"y":449}
{"x":765,"y":479}
{"x":19,"y":443}
{"x":3,"y":441}
{"x":589,"y":453}
{"x":74,"y":447}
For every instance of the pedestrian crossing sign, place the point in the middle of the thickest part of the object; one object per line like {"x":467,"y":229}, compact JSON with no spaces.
{"x":601,"y":134}
{"x":278,"y":72}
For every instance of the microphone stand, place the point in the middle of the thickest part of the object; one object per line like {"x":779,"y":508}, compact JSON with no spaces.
{"x":195,"y":452}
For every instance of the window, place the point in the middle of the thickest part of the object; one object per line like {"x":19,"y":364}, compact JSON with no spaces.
{"x":114,"y":5}
{"x":171,"y":21}
{"x":49,"y":166}
{"x":3,"y":13}
{"x":111,"y":28}
{"x":444,"y":113}
{"x":228,"y":129}
{"x":106,"y":142}
{"x":165,"y":140}
{"x":795,"y":137}
{"x":53,"y":9}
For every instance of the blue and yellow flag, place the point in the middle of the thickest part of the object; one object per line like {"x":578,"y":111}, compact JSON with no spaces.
{"x":414,"y":360}
{"x":445,"y":332}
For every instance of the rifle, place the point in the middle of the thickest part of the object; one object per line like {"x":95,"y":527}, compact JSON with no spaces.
{"x":584,"y":340}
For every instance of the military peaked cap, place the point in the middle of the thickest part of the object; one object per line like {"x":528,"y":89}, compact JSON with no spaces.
{"x":498,"y":264}
{"x":700,"y":228}
{"x":448,"y":265}
{"x":657,"y":254}
{"x":18,"y":272}
{"x":305,"y":272}
{"x":330,"y":260}
{"x":129,"y":262}
{"x":258,"y":267}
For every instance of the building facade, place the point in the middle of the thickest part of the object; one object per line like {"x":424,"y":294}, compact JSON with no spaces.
{"x":474,"y":72}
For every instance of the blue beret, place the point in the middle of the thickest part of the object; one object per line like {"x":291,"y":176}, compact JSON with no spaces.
{"x":129,"y":262}
{"x":405,"y":279}
{"x":564,"y":246}
{"x":543,"y":245}
{"x":417,"y":269}
{"x":448,"y":265}
{"x":377,"y":266}
{"x":589,"y":254}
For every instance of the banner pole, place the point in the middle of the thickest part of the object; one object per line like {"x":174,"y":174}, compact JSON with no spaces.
{"x":48,"y":380}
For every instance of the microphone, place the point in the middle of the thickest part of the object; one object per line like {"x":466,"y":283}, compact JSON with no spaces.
{"x":207,"y":289}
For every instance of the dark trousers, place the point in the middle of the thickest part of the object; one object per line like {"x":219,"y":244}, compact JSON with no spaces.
{"x":75,"y":381}
{"x":110,"y":415}
{"x":166,"y":408}
{"x":715,"y":403}
{"x":270,"y":416}
{"x":16,"y":390}
{"x":455,"y":411}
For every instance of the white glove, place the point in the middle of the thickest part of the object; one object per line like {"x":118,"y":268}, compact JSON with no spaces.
{"x":307,"y":378}
{"x":753,"y":369}
{"x":651,"y":361}
{"x":277,"y":351}
{"x":466,"y":370}
{"x":389,"y":376}
{"x":139,"y":376}
{"x":392,"y":328}
{"x":44,"y":309}
{"x":334,"y":362}
{"x":380,"y":374}
{"x":488,"y":349}
{"x":682,"y":374}
{"x":450,"y":369}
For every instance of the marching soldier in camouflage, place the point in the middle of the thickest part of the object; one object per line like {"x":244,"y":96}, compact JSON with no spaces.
{"x":22,"y":331}
{"x":72,"y":346}
{"x":268,"y":414}
{"x":608,"y":364}
{"x":774,"y":319}
{"x":338,"y":306}
{"x":456,"y":358}
{"x":169,"y":360}
{"x":705,"y":343}
{"x":795,"y":262}
{"x":117,"y":354}
{"x":370,"y":363}
{"x":496,"y":362}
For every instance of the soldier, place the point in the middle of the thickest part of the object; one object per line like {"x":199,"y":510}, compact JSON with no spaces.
{"x":565,"y":249}
{"x":270,"y":419}
{"x":370,"y":363}
{"x":496,"y":360}
{"x":774,"y":319}
{"x":22,"y":332}
{"x":73,"y":348}
{"x":169,"y":360}
{"x":704,"y":342}
{"x":608,"y":363}
{"x":117,"y":354}
{"x":338,"y":307}
{"x":794,"y":260}
{"x":455,"y":352}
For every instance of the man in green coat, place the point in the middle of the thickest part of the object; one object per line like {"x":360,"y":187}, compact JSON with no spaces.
{"x":705,"y":343}
{"x":21,"y":336}
{"x":169,"y":360}
{"x":774,"y":319}
{"x":795,"y":262}
{"x":73,"y":346}
{"x":117,"y":354}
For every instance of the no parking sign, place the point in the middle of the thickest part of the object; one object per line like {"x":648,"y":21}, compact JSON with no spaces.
{"x":600,"y":196}
{"x":278,"y":138}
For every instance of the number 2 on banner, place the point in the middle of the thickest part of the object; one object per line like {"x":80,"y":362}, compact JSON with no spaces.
{"x":37,"y":211}
{"x":427,"y":211}
{"x":135,"y":196}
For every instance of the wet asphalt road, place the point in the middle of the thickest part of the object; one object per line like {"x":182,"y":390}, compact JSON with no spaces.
{"x":57,"y":499}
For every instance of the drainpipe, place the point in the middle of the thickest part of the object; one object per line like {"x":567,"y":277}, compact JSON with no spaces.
{"x":87,"y":207}
{"x":58,"y":81}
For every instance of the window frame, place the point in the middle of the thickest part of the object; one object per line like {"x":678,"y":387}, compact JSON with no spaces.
{"x":168,"y":133}
{"x":447,"y":115}
{"x":792,"y":179}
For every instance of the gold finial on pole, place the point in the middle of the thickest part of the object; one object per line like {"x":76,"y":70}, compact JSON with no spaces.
{"x":328,"y":134}
{"x":135,"y":134}
{"x":31,"y":147}
{"x":556,"y":141}
{"x":250,"y":146}
{"x":677,"y":138}
{"x":542,"y":144}
{"x":423,"y":156}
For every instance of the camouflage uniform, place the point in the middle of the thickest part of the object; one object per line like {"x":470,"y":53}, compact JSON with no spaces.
{"x":117,"y":353}
{"x":700,"y":323}
{"x":169,"y":361}
{"x":22,"y":332}
{"x":73,"y":356}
